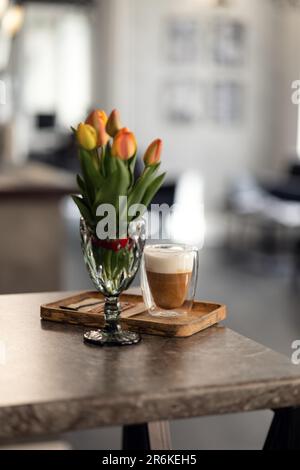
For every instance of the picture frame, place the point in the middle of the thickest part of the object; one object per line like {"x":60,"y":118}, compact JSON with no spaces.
{"x":183,"y":40}
{"x":184,"y":101}
{"x":229,"y":42}
{"x":227,"y":102}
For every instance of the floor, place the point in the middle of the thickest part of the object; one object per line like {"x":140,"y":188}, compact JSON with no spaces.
{"x":261,"y":305}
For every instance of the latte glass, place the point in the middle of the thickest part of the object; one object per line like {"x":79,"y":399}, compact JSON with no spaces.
{"x":169,"y":279}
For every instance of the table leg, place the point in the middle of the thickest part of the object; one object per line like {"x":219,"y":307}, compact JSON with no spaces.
{"x":284,"y":433}
{"x":149,"y":436}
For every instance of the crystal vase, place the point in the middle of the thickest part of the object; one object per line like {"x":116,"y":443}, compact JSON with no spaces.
{"x":112,"y":266}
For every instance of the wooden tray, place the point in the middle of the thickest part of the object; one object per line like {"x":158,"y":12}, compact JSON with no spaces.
{"x":86,"y":309}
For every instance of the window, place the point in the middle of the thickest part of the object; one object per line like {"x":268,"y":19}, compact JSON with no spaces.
{"x":55,"y":63}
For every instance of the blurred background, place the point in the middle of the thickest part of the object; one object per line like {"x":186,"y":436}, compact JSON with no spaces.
{"x":217,"y":80}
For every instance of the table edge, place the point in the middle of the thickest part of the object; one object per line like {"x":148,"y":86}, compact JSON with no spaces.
{"x":44,"y":418}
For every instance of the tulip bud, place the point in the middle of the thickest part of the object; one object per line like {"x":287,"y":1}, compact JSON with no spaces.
{"x":124,"y":145}
{"x":113,"y":124}
{"x":153,"y":153}
{"x":86,"y":136}
{"x":98,"y":119}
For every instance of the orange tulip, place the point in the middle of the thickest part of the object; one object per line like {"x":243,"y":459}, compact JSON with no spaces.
{"x":113,"y":124}
{"x":153,"y":153}
{"x":98,"y":119}
{"x":86,"y":136}
{"x":124,"y":144}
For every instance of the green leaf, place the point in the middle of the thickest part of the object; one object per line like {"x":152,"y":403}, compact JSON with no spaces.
{"x":107,"y":194}
{"x":141,"y":186}
{"x":102,"y":160}
{"x":124,"y":177}
{"x":114,"y":186}
{"x":96,"y":160}
{"x":92,"y":178}
{"x":131,"y":166}
{"x":86,"y":177}
{"x":109,"y":162}
{"x":83,"y":209}
{"x":81,"y":184}
{"x":153,"y":188}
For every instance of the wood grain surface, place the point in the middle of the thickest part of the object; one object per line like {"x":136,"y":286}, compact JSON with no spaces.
{"x":87,"y":309}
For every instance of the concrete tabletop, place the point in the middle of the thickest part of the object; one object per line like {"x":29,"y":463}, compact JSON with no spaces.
{"x":51,"y":382}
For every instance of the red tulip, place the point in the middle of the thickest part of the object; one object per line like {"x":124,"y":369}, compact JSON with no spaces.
{"x":113,"y":124}
{"x":153,"y":153}
{"x":98,"y":119}
{"x":124,"y":144}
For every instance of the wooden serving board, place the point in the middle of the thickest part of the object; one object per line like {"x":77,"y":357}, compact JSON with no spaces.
{"x":86,"y":309}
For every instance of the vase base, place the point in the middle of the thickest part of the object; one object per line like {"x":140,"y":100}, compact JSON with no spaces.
{"x":119,"y":338}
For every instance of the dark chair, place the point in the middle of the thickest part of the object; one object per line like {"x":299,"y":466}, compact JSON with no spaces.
{"x":289,"y":190}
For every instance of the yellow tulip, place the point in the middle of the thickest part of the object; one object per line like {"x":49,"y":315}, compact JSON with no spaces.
{"x":98,"y":119}
{"x":86,"y":136}
{"x":124,"y":144}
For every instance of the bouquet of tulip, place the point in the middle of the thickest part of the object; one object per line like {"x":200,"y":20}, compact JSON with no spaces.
{"x":108,"y":178}
{"x":108,"y":168}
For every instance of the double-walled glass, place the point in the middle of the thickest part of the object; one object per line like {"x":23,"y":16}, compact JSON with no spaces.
{"x":169,"y":279}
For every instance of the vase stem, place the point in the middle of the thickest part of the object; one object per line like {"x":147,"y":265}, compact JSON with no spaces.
{"x":112,"y":334}
{"x":112,"y":311}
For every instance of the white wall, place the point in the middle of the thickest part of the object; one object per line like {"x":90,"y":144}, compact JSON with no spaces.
{"x":136,"y":69}
{"x":287,"y":70}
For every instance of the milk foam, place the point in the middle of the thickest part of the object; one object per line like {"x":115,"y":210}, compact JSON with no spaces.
{"x":169,"y":261}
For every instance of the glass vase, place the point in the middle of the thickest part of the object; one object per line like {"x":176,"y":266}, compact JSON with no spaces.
{"x":112,"y":265}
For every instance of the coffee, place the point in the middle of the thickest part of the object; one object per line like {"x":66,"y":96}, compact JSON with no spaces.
{"x":169,"y":274}
{"x":169,"y":290}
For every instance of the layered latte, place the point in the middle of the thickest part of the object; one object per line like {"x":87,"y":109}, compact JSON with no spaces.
{"x":169,"y":272}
